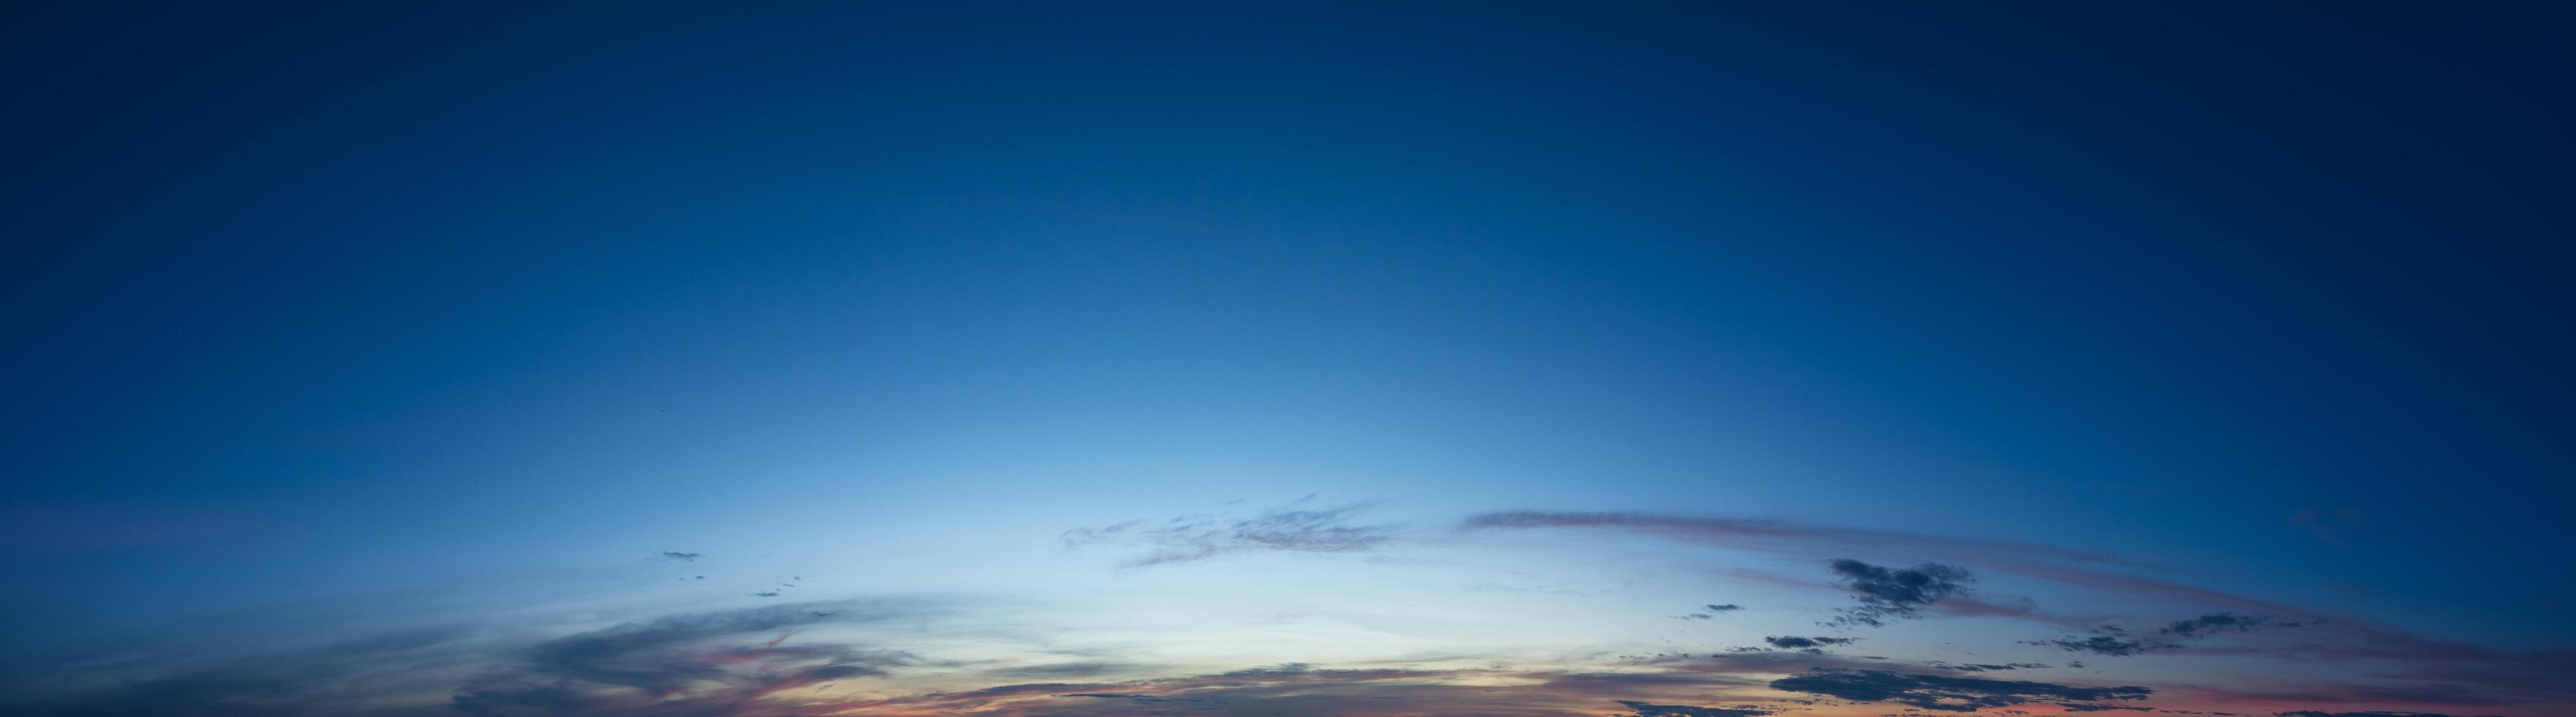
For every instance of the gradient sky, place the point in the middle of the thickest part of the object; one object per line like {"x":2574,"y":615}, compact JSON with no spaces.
{"x":764,"y":359}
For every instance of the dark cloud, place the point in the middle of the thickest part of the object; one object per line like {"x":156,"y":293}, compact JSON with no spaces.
{"x":2373,"y":692}
{"x":1944,"y":693}
{"x":1706,"y":612}
{"x":1894,"y":593}
{"x":707,"y":660}
{"x":677,"y":555}
{"x":1065,"y":669}
{"x":1641,"y":709}
{"x":1141,"y":699}
{"x":1296,"y":688}
{"x":2314,"y":713}
{"x":2520,"y":676}
{"x":2112,"y":641}
{"x":1792,"y":642}
{"x":1709,"y":611}
{"x":272,"y":684}
{"x":714,"y":663}
{"x":2311,"y":713}
{"x":2107,"y":644}
{"x":1190,"y":538}
{"x":1980,"y":667}
{"x":2221,"y":622}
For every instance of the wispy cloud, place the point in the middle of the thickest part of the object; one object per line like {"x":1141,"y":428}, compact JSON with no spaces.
{"x":1199,"y":537}
{"x":2115,"y":641}
{"x":1793,"y":642}
{"x":710,"y":663}
{"x":1642,"y":709}
{"x":2315,"y":713}
{"x":1709,"y":611}
{"x":1945,"y":693}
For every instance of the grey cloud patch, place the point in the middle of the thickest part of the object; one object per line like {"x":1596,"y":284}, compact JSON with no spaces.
{"x":1642,"y":709}
{"x":2113,"y":641}
{"x":1792,"y":642}
{"x":677,"y":555}
{"x":2315,"y":713}
{"x":2021,"y":607}
{"x":1981,"y":667}
{"x":1944,"y":693}
{"x":1191,"y":538}
{"x":2222,"y":622}
{"x":1303,"y":689}
{"x":1894,"y":593}
{"x":690,"y":664}
{"x":705,"y":660}
{"x":1709,"y":611}
{"x":272,"y":684}
{"x":1143,"y":699}
{"x":2109,"y":642}
{"x":1065,"y":669}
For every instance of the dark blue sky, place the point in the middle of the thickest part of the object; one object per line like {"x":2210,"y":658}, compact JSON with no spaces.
{"x":325,"y":301}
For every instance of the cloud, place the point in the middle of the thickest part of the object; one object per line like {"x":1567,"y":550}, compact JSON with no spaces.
{"x":1191,"y":538}
{"x":1709,"y":611}
{"x":1142,"y":699}
{"x":693,"y":659}
{"x":1065,"y":669}
{"x":2374,"y":692}
{"x":1981,"y":667}
{"x":270,"y":684}
{"x":1894,"y":594}
{"x":2518,"y":676}
{"x":2112,"y":641}
{"x":712,"y":663}
{"x":2315,"y":713}
{"x":1665,"y":687}
{"x":676,"y":555}
{"x":1297,"y":688}
{"x":1807,"y":643}
{"x":1938,"y":692}
{"x":2221,"y":622}
{"x":2109,"y":641}
{"x":1641,"y":709}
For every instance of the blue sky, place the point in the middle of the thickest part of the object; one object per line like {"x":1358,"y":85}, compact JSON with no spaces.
{"x":380,"y":358}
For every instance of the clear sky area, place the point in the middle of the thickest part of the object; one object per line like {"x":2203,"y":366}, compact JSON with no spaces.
{"x":1701,"y":359}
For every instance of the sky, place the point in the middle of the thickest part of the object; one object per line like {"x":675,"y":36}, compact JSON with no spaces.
{"x":1817,"y":359}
